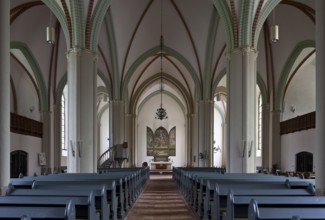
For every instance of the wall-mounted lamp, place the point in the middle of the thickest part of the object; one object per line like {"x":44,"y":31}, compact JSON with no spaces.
{"x":216,"y":149}
{"x":274,"y":30}
{"x":31,"y":108}
{"x":292,"y":109}
{"x":50,"y":32}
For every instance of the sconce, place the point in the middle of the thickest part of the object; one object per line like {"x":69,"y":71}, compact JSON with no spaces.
{"x":216,"y":149}
{"x":50,"y":32}
{"x":274,"y":30}
{"x":31,"y":109}
{"x":292,"y":109}
{"x":275,"y":33}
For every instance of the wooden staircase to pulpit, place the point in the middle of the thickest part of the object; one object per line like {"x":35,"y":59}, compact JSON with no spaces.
{"x":113,"y":156}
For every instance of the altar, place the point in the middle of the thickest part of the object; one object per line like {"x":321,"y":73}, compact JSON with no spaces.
{"x":161,"y":166}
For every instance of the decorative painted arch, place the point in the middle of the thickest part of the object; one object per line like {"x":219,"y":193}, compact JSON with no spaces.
{"x":263,"y":89}
{"x":64,"y":80}
{"x":265,"y":12}
{"x":97,"y":19}
{"x":287,"y":69}
{"x":219,"y":110}
{"x":210,"y":46}
{"x":246,"y":13}
{"x":114,"y":58}
{"x":59,"y":14}
{"x":78,"y":27}
{"x":36,"y":72}
{"x":101,"y":112}
{"x":225,"y":15}
{"x":171,"y":95}
{"x":217,"y":81}
{"x":152,"y":52}
{"x":189,"y":104}
{"x":259,"y":82}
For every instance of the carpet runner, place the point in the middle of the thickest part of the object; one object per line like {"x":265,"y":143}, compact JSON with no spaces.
{"x":160,"y":200}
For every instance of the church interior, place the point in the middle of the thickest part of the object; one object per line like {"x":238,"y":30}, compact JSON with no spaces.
{"x":164,"y":84}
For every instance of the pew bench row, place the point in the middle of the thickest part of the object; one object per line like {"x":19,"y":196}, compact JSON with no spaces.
{"x":107,"y":195}
{"x":207,"y":191}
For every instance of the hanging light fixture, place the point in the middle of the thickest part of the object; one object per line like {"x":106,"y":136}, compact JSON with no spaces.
{"x":274,"y":30}
{"x":161,"y":112}
{"x":50,"y":32}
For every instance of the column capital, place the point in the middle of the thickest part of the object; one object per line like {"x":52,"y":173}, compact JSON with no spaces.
{"x":79,"y":51}
{"x":246,"y":51}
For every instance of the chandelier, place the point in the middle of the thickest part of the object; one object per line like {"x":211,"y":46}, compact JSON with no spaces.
{"x":161,"y":112}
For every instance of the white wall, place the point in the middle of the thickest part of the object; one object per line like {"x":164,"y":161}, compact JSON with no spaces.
{"x":217,"y":137}
{"x":31,"y":145}
{"x":146,"y":118}
{"x":104,"y":133}
{"x":293,"y":143}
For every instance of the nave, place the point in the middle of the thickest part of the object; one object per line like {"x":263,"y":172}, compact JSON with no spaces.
{"x":160,"y":200}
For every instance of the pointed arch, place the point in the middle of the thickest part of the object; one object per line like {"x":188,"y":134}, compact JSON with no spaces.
{"x":287,"y":69}
{"x":59,"y":14}
{"x":98,"y":17}
{"x":152,"y":52}
{"x":36,"y":71}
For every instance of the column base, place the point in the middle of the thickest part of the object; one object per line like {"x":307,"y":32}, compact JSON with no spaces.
{"x":3,"y":190}
{"x":320,"y":192}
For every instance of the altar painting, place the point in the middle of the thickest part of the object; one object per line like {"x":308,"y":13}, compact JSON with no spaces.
{"x":160,"y":142}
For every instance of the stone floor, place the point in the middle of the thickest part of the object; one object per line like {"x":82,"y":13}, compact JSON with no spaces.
{"x":160,"y":200}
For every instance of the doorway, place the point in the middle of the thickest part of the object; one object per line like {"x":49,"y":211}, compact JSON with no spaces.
{"x":304,"y":162}
{"x":18,"y":163}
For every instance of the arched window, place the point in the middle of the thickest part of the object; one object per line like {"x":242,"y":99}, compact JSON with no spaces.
{"x":259,"y":124}
{"x":63,"y":124}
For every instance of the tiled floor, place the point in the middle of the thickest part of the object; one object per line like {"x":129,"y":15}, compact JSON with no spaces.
{"x":160,"y":200}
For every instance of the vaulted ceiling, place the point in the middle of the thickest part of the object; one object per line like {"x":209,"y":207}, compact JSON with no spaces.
{"x":194,"y":49}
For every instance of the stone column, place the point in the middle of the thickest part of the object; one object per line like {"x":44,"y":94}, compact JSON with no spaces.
{"x":275,"y":141}
{"x":46,"y":141}
{"x":4,"y":95}
{"x":82,"y":82}
{"x":116,"y":122}
{"x":128,"y":132}
{"x":133,"y":141}
{"x":194,"y":137}
{"x":266,"y":158}
{"x":241,"y":115}
{"x":205,"y":132}
{"x":188,"y":143}
{"x":224,"y":145}
{"x":320,"y":103}
{"x":56,"y":138}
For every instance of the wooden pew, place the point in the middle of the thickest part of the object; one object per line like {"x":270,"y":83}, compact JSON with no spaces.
{"x":277,"y":212}
{"x":129,"y":183}
{"x":26,"y":212}
{"x":197,"y":185}
{"x":100,"y":195}
{"x":237,"y":206}
{"x":221,"y":194}
{"x":115,"y":194}
{"x":193,"y":184}
{"x":208,"y":199}
{"x":85,"y":206}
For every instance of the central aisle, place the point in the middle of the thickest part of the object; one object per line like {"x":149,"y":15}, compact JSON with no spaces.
{"x":160,"y":200}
